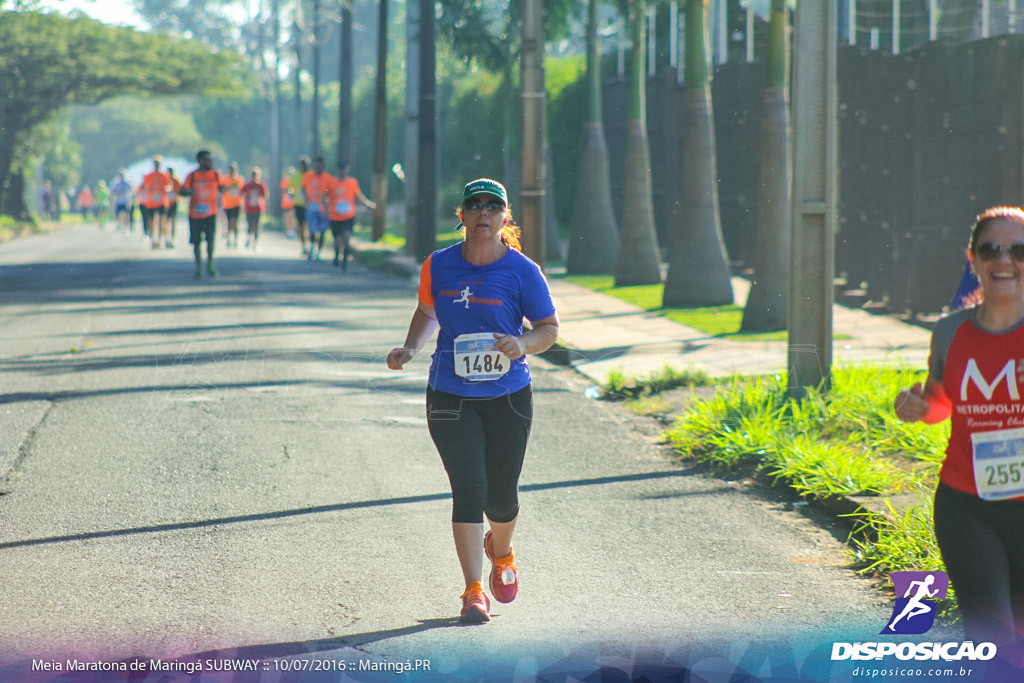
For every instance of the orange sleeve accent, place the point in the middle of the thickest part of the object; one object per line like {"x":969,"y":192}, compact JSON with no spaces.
{"x":425,"y":283}
{"x":939,"y":405}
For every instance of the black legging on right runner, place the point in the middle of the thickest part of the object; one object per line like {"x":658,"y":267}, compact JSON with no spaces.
{"x":482,"y":442}
{"x":982,"y":544}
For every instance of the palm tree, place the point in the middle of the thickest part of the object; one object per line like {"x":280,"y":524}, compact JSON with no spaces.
{"x":380,"y":144}
{"x":411,"y":130}
{"x":532,"y":186}
{"x":766,"y":303}
{"x":315,"y":124}
{"x":698,"y":273}
{"x":593,"y":241}
{"x":426,"y":192}
{"x":639,"y":258}
{"x":344,"y":145}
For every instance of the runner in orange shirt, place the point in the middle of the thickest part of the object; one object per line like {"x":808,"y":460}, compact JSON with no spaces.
{"x":202,"y":186}
{"x":231,"y":201}
{"x":342,"y":194}
{"x":288,"y":202}
{"x":153,"y":203}
{"x":255,"y":193}
{"x":314,"y":183}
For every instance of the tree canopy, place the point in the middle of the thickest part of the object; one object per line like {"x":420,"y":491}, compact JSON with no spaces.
{"x":489,"y":33}
{"x":48,"y":61}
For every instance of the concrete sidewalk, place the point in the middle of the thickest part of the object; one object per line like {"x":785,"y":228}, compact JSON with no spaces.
{"x":601,"y":333}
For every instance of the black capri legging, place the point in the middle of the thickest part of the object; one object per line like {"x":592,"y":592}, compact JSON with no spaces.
{"x":482,"y":442}
{"x":982,"y":544}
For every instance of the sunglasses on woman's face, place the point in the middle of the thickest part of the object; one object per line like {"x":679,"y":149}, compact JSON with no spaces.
{"x":990,"y":251}
{"x":494,"y":206}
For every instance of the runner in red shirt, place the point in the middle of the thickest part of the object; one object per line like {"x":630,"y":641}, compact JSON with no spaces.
{"x":341,"y":196}
{"x":254,"y":194}
{"x":975,"y":379}
{"x":202,"y":187}
{"x":85,"y":201}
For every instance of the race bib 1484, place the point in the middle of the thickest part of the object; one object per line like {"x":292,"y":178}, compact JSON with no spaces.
{"x":477,"y":360}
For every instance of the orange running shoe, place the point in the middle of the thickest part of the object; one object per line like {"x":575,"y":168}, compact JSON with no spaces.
{"x":476,"y":606}
{"x":504,"y":579}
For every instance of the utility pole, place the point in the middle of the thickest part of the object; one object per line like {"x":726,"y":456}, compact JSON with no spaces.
{"x":815,"y":196}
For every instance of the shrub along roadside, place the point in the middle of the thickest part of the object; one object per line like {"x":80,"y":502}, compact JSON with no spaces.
{"x":619,"y":386}
{"x":11,"y":228}
{"x":845,"y":444}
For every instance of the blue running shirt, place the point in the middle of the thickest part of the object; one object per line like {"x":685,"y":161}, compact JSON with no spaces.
{"x":472,"y":299}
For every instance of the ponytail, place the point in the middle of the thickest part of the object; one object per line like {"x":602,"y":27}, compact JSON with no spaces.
{"x":511,"y":235}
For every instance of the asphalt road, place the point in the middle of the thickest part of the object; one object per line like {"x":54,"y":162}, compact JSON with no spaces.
{"x":226,"y":468}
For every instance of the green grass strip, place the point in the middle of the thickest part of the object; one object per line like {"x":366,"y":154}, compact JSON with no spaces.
{"x":846,"y":443}
{"x":715,"y":321}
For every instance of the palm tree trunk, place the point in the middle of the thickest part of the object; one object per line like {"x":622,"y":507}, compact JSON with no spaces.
{"x":299,"y":138}
{"x":275,"y":112}
{"x":315,"y":126}
{"x":410,"y":187}
{"x":344,"y":146}
{"x":593,"y":241}
{"x":639,"y":257}
{"x":766,"y":303}
{"x":532,"y":187}
{"x":426,"y":227}
{"x":380,"y":148}
{"x":698,"y":273}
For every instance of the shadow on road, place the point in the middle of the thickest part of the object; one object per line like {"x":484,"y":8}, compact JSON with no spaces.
{"x":357,"y":640}
{"x":343,"y":507}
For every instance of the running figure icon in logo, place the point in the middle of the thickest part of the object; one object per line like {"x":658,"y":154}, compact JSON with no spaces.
{"x":915,"y":589}
{"x":465,"y":297}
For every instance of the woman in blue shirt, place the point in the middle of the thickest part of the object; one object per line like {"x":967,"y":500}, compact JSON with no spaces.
{"x":479,"y":397}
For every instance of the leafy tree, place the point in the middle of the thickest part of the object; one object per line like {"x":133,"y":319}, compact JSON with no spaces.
{"x":48,"y":61}
{"x":489,"y":35}
{"x":766,"y":303}
{"x":212,"y":23}
{"x":124,"y":129}
{"x":53,"y":145}
{"x":698,"y":272}
{"x":639,"y":257}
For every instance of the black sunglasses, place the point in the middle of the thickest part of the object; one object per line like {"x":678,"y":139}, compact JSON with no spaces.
{"x":494,"y":205}
{"x":990,"y":251}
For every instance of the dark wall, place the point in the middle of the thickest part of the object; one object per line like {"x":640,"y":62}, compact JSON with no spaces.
{"x":928,"y":139}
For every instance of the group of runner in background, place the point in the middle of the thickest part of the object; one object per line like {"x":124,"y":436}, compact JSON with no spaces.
{"x":312,"y":201}
{"x":156,"y":200}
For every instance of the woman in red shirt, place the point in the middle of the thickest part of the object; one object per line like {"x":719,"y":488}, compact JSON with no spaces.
{"x":975,"y":372}
{"x":254,"y":195}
